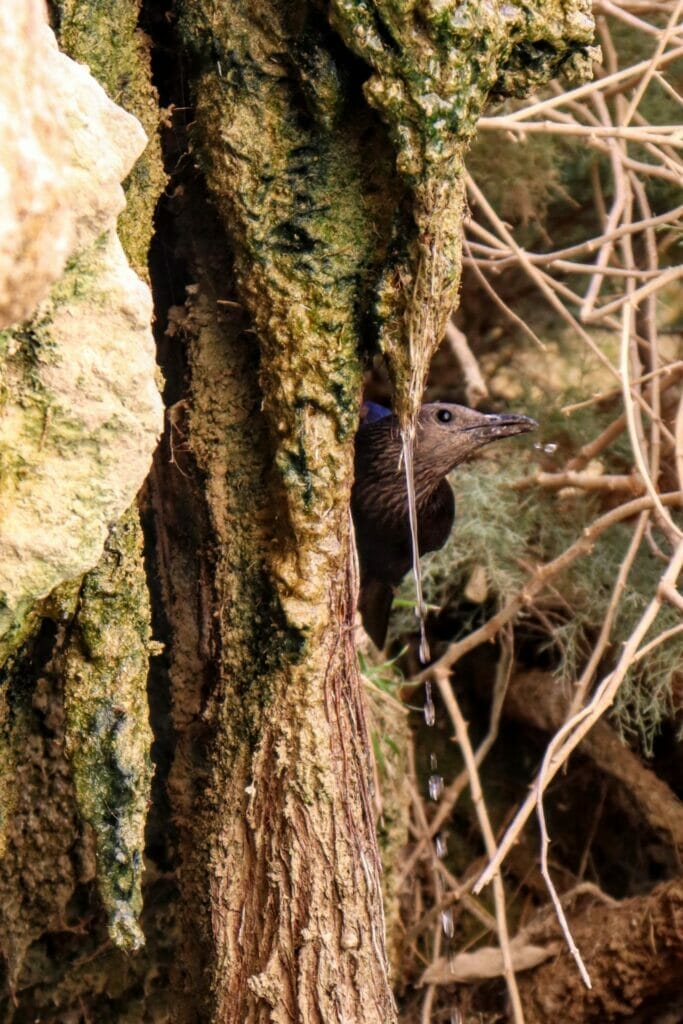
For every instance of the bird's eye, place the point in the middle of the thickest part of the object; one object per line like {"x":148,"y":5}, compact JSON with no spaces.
{"x":444,"y":416}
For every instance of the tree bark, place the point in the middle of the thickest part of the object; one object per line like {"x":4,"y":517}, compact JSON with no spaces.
{"x":290,"y":923}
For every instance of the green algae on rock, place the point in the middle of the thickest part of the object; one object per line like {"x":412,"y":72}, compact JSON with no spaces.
{"x":79,"y":418}
{"x":300,"y":198}
{"x":107,"y":731}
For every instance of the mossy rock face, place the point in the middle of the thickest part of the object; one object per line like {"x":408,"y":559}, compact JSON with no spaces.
{"x":106,"y":37}
{"x":79,"y":409}
{"x":299,"y":181}
{"x":39,"y":832}
{"x":79,"y":417}
{"x":66,"y":147}
{"x":107,"y":731}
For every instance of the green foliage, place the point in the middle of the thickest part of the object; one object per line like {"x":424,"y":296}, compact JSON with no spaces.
{"x":520,"y":178}
{"x":386,"y":676}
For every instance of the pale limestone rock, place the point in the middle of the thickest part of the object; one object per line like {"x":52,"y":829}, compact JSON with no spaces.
{"x":79,"y":409}
{"x":65,"y":148}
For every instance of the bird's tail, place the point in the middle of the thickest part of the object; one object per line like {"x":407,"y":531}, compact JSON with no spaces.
{"x":374,"y":604}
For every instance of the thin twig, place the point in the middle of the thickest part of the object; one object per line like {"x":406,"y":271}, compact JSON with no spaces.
{"x":462,"y":735}
{"x":583,"y":683}
{"x":509,"y":313}
{"x":505,"y":257}
{"x":598,"y":84}
{"x":652,"y":68}
{"x":643,"y":469}
{"x":475,"y":385}
{"x":583,"y":481}
{"x":667,"y":135}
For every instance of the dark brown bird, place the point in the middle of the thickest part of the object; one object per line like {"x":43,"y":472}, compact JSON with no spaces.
{"x":445,"y":436}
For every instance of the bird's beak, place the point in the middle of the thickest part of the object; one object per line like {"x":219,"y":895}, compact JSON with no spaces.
{"x":494,"y":425}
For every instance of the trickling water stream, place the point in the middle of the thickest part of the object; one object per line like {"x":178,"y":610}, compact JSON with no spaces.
{"x":435,"y":784}
{"x":420,"y":607}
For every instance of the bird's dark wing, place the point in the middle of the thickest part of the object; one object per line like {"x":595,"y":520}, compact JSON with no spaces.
{"x":435,"y":518}
{"x":374,"y":604}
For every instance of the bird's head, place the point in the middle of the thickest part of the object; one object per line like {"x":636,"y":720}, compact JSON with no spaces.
{"x":447,"y":434}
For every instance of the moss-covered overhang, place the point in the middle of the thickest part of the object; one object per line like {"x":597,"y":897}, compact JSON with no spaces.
{"x":434,"y":65}
{"x":312,"y":210}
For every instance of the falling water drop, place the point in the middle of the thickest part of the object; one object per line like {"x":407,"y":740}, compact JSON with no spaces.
{"x":433,"y":761}
{"x":447,"y":923}
{"x":440,"y":847}
{"x":429,"y":709}
{"x":548,"y":448}
{"x":435,"y":787}
{"x":430,"y":712}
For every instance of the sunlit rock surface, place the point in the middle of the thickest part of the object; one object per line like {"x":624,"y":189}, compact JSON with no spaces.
{"x":79,"y":408}
{"x":65,"y":148}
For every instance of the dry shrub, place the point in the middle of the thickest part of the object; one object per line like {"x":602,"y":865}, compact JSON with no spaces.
{"x":566,"y":555}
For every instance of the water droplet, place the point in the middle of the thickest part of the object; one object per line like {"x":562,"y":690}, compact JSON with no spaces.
{"x":433,"y":761}
{"x":440,"y":847}
{"x":429,"y":712}
{"x":429,"y":709}
{"x":435,"y":787}
{"x":538,"y":446}
{"x":447,"y":923}
{"x":550,"y":448}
